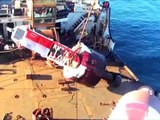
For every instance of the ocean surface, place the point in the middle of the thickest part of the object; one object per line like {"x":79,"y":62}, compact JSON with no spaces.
{"x":135,"y":26}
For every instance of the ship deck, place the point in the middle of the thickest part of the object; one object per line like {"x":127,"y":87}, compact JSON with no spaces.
{"x":21,"y":95}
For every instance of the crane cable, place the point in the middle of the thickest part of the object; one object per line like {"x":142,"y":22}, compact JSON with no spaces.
{"x":85,"y":25}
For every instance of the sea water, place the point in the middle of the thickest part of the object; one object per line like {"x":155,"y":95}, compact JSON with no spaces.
{"x":135,"y":27}
{"x":5,"y":2}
